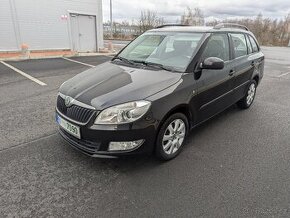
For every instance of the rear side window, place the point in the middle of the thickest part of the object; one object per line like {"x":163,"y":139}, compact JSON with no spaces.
{"x":254,"y":44}
{"x":217,"y":46}
{"x":240,"y":45}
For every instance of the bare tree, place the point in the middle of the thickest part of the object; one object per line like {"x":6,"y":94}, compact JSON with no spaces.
{"x":193,"y":17}
{"x":212,"y":23}
{"x":148,"y":20}
{"x":285,"y":32}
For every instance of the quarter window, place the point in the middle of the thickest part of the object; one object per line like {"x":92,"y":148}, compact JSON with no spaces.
{"x":250,"y":49}
{"x":254,"y":44}
{"x":240,"y":45}
{"x":217,"y":46}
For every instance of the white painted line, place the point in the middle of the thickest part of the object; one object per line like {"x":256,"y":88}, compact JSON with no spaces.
{"x":284,"y":74}
{"x":78,"y":62}
{"x":24,"y":74}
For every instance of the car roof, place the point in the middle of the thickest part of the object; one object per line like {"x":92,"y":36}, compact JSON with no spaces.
{"x":198,"y":29}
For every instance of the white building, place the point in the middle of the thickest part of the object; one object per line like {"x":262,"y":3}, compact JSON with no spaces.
{"x":75,"y":25}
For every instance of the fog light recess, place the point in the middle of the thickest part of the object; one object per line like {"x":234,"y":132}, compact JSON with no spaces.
{"x":124,"y":146}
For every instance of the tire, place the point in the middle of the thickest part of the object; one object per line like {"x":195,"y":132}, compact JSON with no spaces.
{"x":249,"y":98}
{"x":170,"y":141}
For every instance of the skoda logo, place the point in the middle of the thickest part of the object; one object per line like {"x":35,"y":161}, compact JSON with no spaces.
{"x":68,"y":101}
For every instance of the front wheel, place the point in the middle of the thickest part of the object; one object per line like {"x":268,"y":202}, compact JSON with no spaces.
{"x":170,"y":139}
{"x":248,"y":99}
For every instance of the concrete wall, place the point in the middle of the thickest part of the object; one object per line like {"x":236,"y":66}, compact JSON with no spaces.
{"x":44,"y":24}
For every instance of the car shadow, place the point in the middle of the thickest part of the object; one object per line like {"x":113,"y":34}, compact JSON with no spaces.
{"x":231,"y":111}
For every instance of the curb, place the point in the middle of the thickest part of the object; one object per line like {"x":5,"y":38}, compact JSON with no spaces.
{"x":57,"y":56}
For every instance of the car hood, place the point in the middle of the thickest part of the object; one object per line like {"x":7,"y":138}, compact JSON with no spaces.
{"x":111,"y":84}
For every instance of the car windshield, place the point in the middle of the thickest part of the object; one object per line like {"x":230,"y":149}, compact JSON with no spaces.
{"x":167,"y":50}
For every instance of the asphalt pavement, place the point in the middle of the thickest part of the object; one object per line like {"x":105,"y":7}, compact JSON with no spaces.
{"x":235,"y":165}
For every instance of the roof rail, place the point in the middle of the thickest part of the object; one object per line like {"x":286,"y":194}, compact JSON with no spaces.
{"x":170,"y":25}
{"x":224,"y":25}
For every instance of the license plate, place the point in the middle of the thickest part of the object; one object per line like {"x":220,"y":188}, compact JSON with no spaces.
{"x":68,"y":127}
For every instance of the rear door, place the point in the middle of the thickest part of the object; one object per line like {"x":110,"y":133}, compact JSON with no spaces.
{"x":244,"y":63}
{"x":215,"y":86}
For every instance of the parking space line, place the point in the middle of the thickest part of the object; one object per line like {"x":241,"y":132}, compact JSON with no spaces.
{"x":283,"y":74}
{"x":23,"y":74}
{"x":78,"y":62}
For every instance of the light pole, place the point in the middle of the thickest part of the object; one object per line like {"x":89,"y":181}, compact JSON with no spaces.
{"x":111,"y":18}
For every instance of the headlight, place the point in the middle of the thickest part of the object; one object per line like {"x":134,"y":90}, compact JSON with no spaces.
{"x":123,"y":113}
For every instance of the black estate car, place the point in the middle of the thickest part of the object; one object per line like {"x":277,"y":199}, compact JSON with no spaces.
{"x":164,"y":83}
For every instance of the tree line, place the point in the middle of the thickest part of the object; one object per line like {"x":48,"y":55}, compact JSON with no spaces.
{"x":269,"y":32}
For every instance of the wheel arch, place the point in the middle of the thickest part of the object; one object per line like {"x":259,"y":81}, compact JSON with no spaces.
{"x":256,"y":78}
{"x":181,"y":108}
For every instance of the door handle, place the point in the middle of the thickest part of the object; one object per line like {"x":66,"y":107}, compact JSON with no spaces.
{"x":231,"y":73}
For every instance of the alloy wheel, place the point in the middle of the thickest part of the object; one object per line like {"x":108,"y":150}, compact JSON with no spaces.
{"x":174,"y":136}
{"x":251,"y":93}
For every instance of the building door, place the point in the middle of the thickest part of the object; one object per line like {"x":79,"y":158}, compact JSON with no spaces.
{"x":83,"y":33}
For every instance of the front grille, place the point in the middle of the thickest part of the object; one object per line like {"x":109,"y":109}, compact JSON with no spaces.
{"x":74,"y":112}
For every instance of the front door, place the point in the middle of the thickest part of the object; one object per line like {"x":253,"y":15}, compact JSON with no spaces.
{"x":215,"y":86}
{"x":83,"y":33}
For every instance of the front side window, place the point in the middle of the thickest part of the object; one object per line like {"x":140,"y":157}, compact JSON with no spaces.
{"x":217,"y":46}
{"x":168,"y":49}
{"x":240,"y":45}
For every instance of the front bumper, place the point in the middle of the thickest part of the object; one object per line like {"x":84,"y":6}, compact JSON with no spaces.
{"x":95,"y":139}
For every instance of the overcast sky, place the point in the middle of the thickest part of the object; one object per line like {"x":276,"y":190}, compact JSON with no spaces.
{"x":172,"y":9}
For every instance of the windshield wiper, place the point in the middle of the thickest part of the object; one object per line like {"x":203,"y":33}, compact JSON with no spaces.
{"x":152,"y":64}
{"x":124,"y":60}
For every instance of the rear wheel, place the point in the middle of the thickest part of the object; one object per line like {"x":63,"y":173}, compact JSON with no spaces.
{"x":248,"y":99}
{"x":171,"y":137}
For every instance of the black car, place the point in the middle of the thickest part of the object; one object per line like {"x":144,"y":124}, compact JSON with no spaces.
{"x":164,"y":83}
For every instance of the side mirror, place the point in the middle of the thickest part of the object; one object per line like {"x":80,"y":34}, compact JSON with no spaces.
{"x":212,"y":63}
